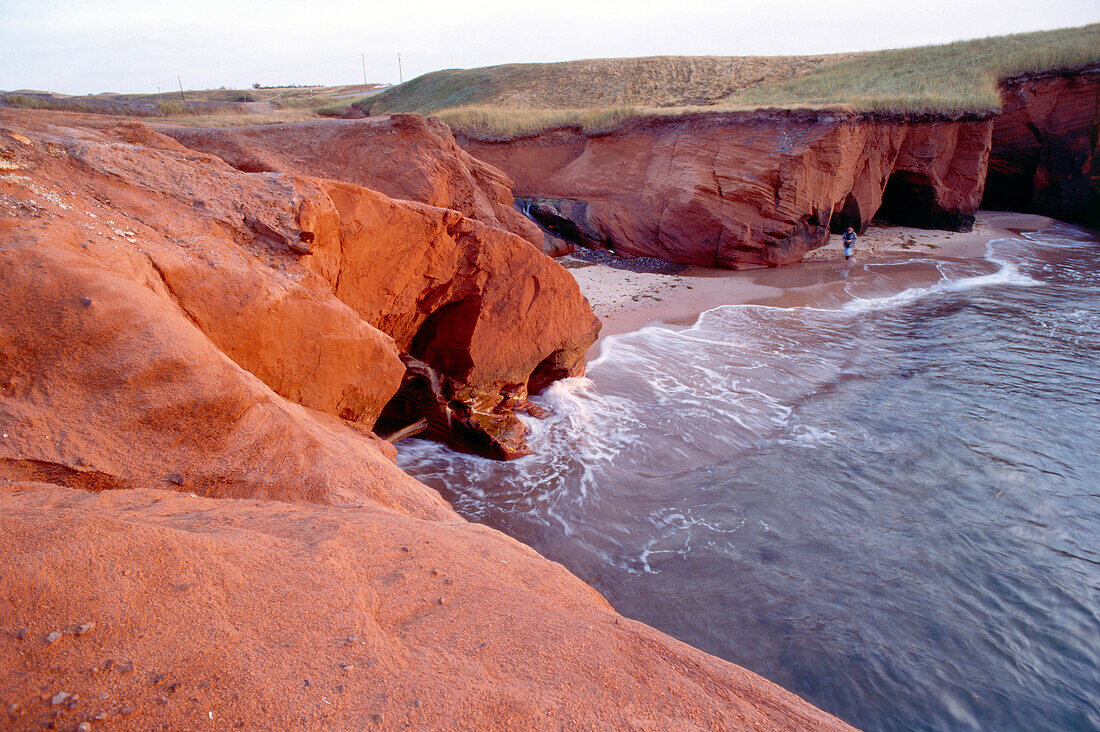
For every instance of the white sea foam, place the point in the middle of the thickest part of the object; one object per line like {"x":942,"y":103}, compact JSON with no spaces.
{"x":665,"y":401}
{"x":997,"y":252}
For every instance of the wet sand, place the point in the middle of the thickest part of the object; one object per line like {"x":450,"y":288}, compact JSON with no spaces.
{"x":626,"y":301}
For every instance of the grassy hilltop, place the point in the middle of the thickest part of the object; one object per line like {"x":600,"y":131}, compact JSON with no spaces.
{"x":956,"y":78}
{"x":505,"y":101}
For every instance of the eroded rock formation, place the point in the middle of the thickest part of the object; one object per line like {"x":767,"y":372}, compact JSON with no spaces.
{"x":403,"y":156}
{"x":1045,"y":146}
{"x":743,"y":190}
{"x":322,"y":290}
{"x":176,"y":334}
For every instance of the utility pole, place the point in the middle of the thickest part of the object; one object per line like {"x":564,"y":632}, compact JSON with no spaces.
{"x":184,"y":98}
{"x":400,"y":75}
{"x":363,"y":56}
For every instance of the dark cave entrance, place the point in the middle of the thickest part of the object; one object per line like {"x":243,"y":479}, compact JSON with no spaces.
{"x":847,"y":216}
{"x":910,"y":200}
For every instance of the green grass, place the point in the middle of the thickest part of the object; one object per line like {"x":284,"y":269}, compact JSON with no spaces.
{"x":24,"y":101}
{"x":655,"y":81}
{"x":496,"y":102}
{"x":220,"y":106}
{"x":956,"y":77}
{"x":492,"y":122}
{"x":953,"y":79}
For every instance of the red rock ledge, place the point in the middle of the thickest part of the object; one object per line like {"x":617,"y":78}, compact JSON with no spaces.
{"x":744,"y":189}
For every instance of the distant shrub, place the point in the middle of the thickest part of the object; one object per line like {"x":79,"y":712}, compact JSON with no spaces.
{"x":171,"y":109}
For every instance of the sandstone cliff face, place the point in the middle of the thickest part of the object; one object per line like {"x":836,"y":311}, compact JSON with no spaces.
{"x":305,"y":283}
{"x":168,"y":349}
{"x":1045,"y":145}
{"x":404,"y":156}
{"x":743,"y":190}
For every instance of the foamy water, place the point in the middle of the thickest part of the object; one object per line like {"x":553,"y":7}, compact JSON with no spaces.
{"x":887,"y":504}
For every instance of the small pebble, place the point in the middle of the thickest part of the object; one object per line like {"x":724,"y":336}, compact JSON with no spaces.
{"x":53,"y":637}
{"x":349,"y":667}
{"x":127,"y":711}
{"x":85,"y":628}
{"x":22,"y":632}
{"x":59,"y":698}
{"x":87,"y":302}
{"x":84,"y":727}
{"x":442,"y":601}
{"x":377,"y":718}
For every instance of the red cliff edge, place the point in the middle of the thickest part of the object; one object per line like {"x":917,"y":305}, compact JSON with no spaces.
{"x":1045,"y":146}
{"x":744,"y":189}
{"x":403,"y":156}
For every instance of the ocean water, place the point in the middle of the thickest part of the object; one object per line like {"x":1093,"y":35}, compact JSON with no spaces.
{"x":888,"y":503}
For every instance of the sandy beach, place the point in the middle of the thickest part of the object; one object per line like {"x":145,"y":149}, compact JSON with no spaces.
{"x":626,"y":301}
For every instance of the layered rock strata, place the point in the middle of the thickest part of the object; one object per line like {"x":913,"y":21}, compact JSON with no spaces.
{"x":743,"y":190}
{"x":1045,"y":146}
{"x":403,"y":156}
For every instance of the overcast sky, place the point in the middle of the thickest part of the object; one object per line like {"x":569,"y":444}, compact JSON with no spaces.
{"x":84,"y":46}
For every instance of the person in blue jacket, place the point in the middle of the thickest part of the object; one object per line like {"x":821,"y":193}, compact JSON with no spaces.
{"x":849,"y":243}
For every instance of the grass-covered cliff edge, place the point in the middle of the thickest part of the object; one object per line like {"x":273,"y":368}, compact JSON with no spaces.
{"x":955,"y":79}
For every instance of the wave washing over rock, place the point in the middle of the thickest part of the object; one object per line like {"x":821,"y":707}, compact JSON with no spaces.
{"x":886,"y":502}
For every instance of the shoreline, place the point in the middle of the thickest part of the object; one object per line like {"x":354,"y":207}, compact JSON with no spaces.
{"x":627,"y":301}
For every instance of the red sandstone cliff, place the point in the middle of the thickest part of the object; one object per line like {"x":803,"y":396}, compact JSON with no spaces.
{"x":738,"y":190}
{"x":403,"y":156}
{"x":1045,"y":144}
{"x":325,"y":291}
{"x":178,"y":343}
